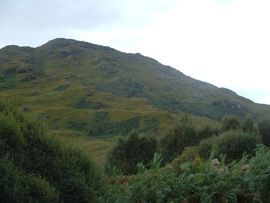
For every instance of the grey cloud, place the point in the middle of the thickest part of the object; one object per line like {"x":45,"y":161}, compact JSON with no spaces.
{"x":55,"y":14}
{"x":36,"y":21}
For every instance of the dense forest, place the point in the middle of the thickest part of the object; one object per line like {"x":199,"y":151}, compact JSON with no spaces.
{"x":187,"y":164}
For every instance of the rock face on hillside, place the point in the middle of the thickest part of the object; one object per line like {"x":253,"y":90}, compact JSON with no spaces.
{"x":53,"y":78}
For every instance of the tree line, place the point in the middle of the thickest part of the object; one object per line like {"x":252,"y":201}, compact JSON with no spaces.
{"x":232,"y":139}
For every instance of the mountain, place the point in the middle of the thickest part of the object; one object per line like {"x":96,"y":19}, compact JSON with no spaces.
{"x":97,"y":91}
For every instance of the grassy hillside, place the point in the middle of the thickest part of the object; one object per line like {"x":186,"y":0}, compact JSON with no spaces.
{"x":87,"y":92}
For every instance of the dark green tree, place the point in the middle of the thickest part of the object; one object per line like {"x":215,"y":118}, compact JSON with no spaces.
{"x":130,"y":151}
{"x":18,"y":186}
{"x":207,"y":131}
{"x":264,"y":129}
{"x":248,"y":126}
{"x":174,"y":142}
{"x":230,"y":122}
{"x":37,"y":168}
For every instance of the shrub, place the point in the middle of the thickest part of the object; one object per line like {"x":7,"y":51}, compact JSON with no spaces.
{"x":248,"y":126}
{"x":232,"y":143}
{"x":205,"y":147}
{"x":174,"y":142}
{"x":103,"y":127}
{"x":151,"y":124}
{"x":128,"y":152}
{"x":40,"y":168}
{"x":235,"y":143}
{"x":264,"y":129}
{"x":76,"y":125}
{"x":260,"y":173}
{"x":61,"y":87}
{"x":85,"y":104}
{"x":206,"y":132}
{"x":230,"y":123}
{"x":189,"y":154}
{"x":18,"y":186}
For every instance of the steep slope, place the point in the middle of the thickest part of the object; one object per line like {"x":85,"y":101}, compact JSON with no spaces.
{"x":99,"y":91}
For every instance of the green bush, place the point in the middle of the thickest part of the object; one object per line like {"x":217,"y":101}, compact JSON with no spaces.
{"x":230,"y":123}
{"x":235,"y":143}
{"x":61,"y":87}
{"x":205,"y":146}
{"x":102,"y":127}
{"x":76,"y":125}
{"x":128,"y":152}
{"x":232,"y":143}
{"x":85,"y":104}
{"x":189,"y":154}
{"x":40,"y":168}
{"x":151,"y":124}
{"x":264,"y":129}
{"x":248,"y":126}
{"x":206,"y":131}
{"x":174,"y":142}
{"x":18,"y":186}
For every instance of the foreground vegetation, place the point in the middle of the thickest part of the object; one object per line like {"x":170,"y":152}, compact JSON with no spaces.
{"x":38,"y":168}
{"x":228,"y":164}
{"x":246,"y":180}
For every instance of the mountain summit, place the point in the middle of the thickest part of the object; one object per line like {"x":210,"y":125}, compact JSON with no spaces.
{"x":100,"y":91}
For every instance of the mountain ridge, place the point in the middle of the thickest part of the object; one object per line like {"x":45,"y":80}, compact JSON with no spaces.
{"x":72,"y":82}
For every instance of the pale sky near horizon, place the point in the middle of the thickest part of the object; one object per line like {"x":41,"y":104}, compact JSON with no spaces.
{"x":222,"y":42}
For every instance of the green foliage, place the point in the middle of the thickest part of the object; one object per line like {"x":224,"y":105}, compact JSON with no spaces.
{"x":76,"y":125}
{"x":17,"y":186}
{"x":206,"y":131}
{"x":264,"y":129}
{"x":212,"y":181}
{"x":35,"y":167}
{"x":103,"y":128}
{"x":235,"y":143}
{"x":260,"y":174}
{"x":8,"y":77}
{"x":232,"y":143}
{"x":174,"y":142}
{"x":189,"y":154}
{"x":222,"y":107}
{"x":8,"y":87}
{"x":230,"y":123}
{"x":126,"y":87}
{"x":8,"y":81}
{"x":128,"y":152}
{"x":151,"y":125}
{"x":205,"y":146}
{"x":161,"y":103}
{"x":215,"y":112}
{"x":248,"y":126}
{"x":61,"y":87}
{"x":100,"y":117}
{"x":85,"y":104}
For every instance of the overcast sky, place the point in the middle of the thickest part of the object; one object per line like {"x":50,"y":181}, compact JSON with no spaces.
{"x":223,"y":42}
